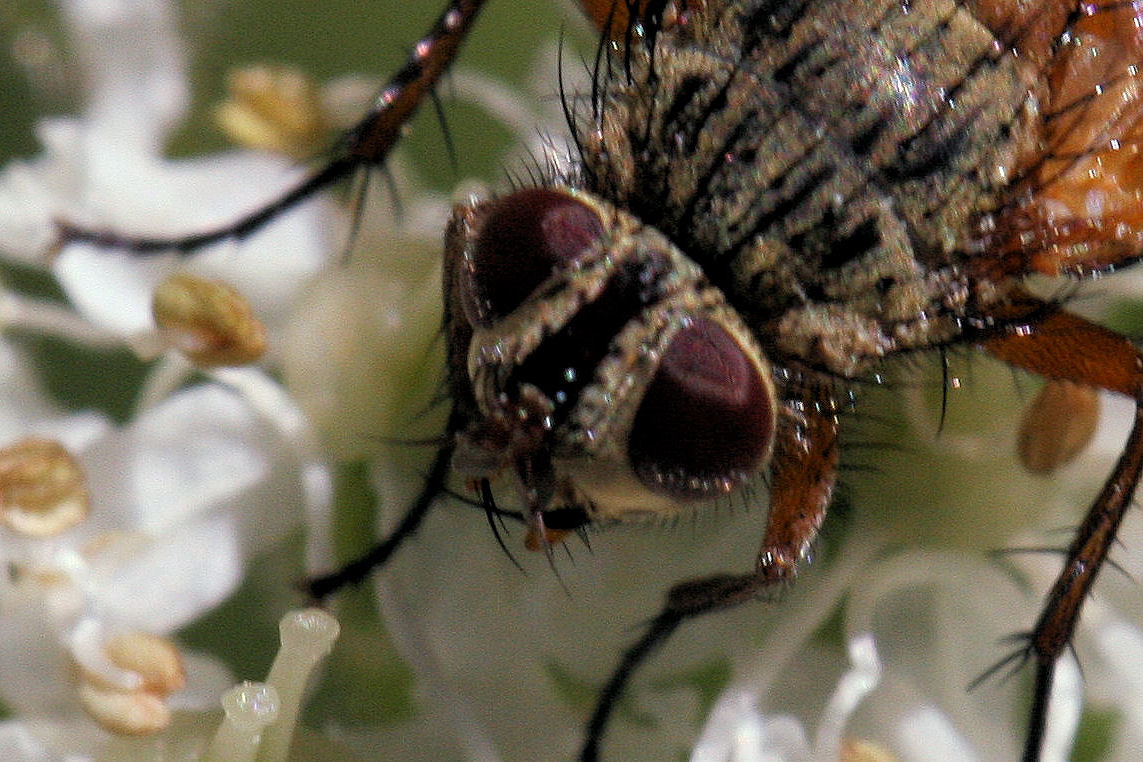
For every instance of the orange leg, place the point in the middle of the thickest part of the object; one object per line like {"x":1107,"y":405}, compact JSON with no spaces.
{"x":803,"y":472}
{"x":1063,"y":346}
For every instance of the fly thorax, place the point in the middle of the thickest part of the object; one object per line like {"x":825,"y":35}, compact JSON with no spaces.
{"x":820,"y":158}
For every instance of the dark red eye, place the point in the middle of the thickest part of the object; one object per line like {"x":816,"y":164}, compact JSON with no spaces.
{"x":522,"y":239}
{"x":706,"y":422}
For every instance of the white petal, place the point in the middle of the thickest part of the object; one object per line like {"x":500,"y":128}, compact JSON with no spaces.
{"x":136,"y":91}
{"x":737,"y":732}
{"x":301,"y":477}
{"x":75,"y":432}
{"x":170,"y":581}
{"x":192,"y":453}
{"x":202,"y":451}
{"x":33,"y":666}
{"x":177,"y":198}
{"x":855,"y":685}
{"x":19,"y":744}
{"x":1064,"y":708}
{"x":21,"y":402}
{"x":926,"y":735}
{"x":130,"y":54}
{"x":112,"y":290}
{"x":207,"y":679}
{"x":68,"y":739}
{"x":28,"y":203}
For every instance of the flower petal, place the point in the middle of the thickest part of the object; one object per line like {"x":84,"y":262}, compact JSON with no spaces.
{"x":170,"y":581}
{"x":131,"y":55}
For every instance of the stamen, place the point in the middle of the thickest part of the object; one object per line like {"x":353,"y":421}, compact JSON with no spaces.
{"x":1058,"y":425}
{"x":43,"y":491}
{"x":209,"y":321}
{"x":152,"y":657}
{"x":275,"y":108}
{"x":129,"y":714}
{"x":860,"y":750}
{"x":124,"y":681}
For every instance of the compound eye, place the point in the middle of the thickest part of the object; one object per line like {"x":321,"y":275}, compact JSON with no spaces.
{"x":523,"y":238}
{"x":706,"y":422}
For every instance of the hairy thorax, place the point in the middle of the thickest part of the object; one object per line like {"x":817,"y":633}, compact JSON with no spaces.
{"x":832,"y":187}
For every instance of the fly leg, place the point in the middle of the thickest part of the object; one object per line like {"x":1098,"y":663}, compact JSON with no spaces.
{"x":358,"y":569}
{"x":1065,"y":346}
{"x":366,"y":144}
{"x":803,"y":472}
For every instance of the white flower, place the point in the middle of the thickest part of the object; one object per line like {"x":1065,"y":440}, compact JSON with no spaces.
{"x":259,"y":719}
{"x":104,"y":170}
{"x":737,"y":732}
{"x":182,"y":497}
{"x":202,"y":478}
